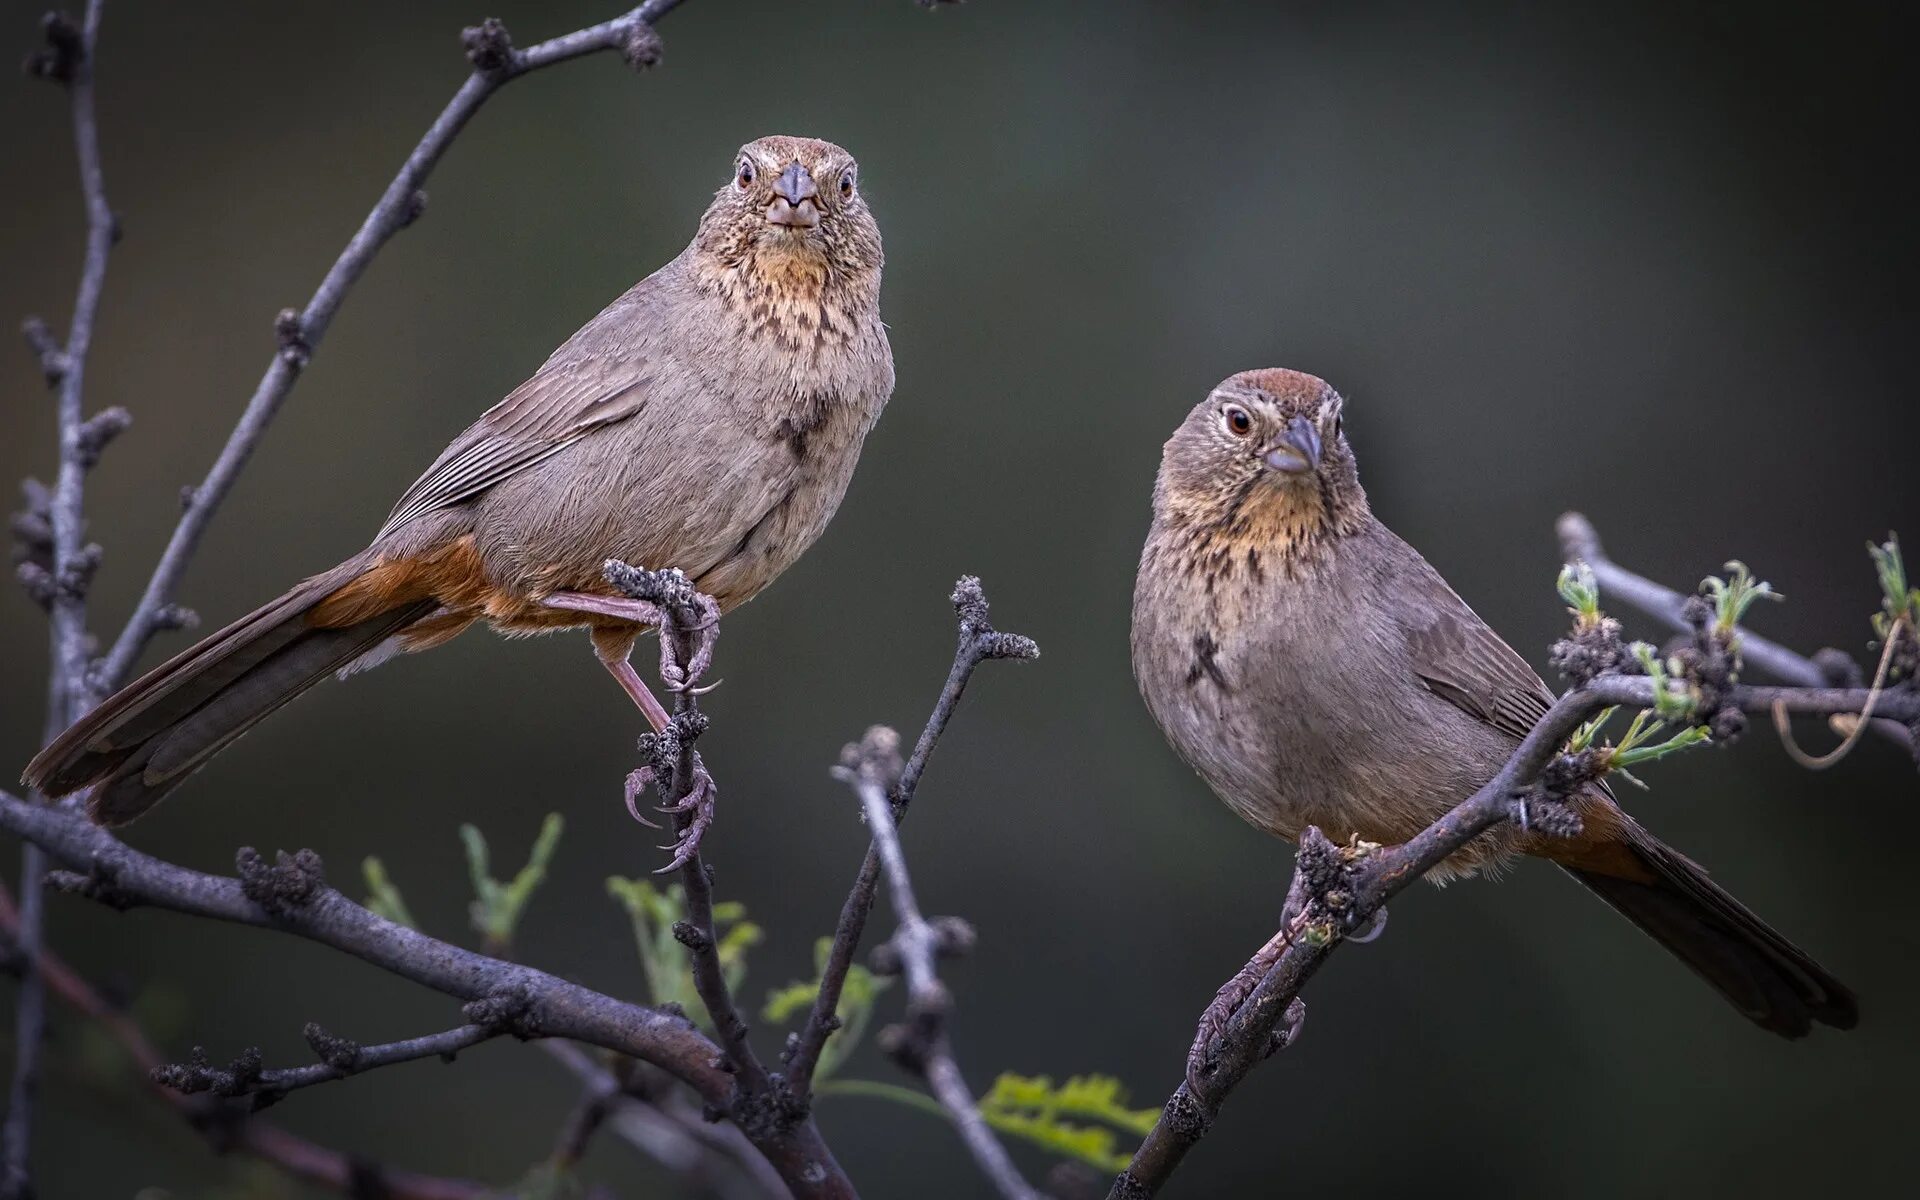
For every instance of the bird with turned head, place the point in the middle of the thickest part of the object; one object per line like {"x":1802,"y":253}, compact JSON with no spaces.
{"x":1315,"y":670}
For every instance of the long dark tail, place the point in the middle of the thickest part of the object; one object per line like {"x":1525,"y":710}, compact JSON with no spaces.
{"x":145,"y":739}
{"x":1769,"y":979}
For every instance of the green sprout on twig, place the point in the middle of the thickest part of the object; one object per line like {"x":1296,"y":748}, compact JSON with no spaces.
{"x":1636,"y":746}
{"x":1734,"y":595}
{"x":383,"y":898}
{"x":1667,"y":703}
{"x":1076,"y":1120}
{"x":497,"y":906}
{"x":663,"y":960}
{"x":1899,"y":600}
{"x":857,"y":995}
{"x":1582,"y":593}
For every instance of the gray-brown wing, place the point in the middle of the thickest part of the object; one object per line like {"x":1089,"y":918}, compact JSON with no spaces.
{"x":1462,"y":661}
{"x":560,"y":404}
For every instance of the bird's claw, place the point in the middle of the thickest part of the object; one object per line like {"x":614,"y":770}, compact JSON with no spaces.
{"x":1376,"y":925}
{"x":1226,"y":1003}
{"x":694,"y":813}
{"x":678,"y":677}
{"x":638,"y":781}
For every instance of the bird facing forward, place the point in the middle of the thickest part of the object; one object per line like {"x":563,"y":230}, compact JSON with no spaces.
{"x":709,"y":419}
{"x":1316,"y":670}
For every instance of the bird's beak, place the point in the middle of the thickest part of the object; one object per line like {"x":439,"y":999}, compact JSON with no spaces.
{"x":1299,"y":450}
{"x":793,"y":203}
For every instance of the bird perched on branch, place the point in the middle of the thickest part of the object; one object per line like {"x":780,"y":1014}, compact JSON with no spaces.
{"x":709,"y":419}
{"x":1316,"y":670}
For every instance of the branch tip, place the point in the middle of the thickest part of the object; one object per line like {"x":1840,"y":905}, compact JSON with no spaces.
{"x":292,"y":882}
{"x":65,"y":54}
{"x":342,"y":1054}
{"x":643,"y":47}
{"x":489,"y":46}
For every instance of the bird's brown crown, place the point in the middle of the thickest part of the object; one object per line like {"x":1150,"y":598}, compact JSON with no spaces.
{"x":1261,"y":464}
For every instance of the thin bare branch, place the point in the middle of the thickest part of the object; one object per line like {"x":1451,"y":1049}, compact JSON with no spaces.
{"x":713,"y":1158}
{"x":978,"y":641}
{"x":68,"y":57}
{"x":496,"y":62}
{"x":339,"y":1058}
{"x":871,"y":769}
{"x":227,"y":1131}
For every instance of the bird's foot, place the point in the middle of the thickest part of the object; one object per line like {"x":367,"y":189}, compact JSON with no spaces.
{"x":1202,"y":1055}
{"x":678,"y":676}
{"x":693,"y":814}
{"x":638,"y":781}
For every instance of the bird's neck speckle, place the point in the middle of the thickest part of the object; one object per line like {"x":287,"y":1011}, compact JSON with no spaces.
{"x":796,"y":296}
{"x":1243,"y":534}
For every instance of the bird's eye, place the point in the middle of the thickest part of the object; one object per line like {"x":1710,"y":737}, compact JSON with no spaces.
{"x":846,"y":184}
{"x":746,"y":175}
{"x":1339,"y":424}
{"x":1239,"y":421}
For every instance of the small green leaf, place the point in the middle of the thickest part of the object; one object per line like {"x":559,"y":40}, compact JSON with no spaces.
{"x":383,"y":898}
{"x":858,"y":991}
{"x":1734,"y":595}
{"x":497,"y":907}
{"x":1033,"y":1110}
{"x":1583,"y":737}
{"x":1626,"y":755}
{"x":1581,"y":592}
{"x":1666,"y":702}
{"x":1898,"y":598}
{"x":663,"y":960}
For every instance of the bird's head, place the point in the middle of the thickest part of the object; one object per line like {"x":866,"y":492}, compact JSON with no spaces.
{"x":1265,"y":452}
{"x":792,"y":199}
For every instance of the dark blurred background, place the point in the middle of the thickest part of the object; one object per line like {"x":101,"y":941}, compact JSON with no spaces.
{"x":1651,"y":262}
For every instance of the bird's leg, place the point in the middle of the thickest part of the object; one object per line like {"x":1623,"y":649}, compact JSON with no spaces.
{"x":678,"y":677}
{"x":693,"y":811}
{"x":612,"y":647}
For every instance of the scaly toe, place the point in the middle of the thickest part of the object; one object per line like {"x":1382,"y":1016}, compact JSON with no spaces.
{"x":637,"y":783}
